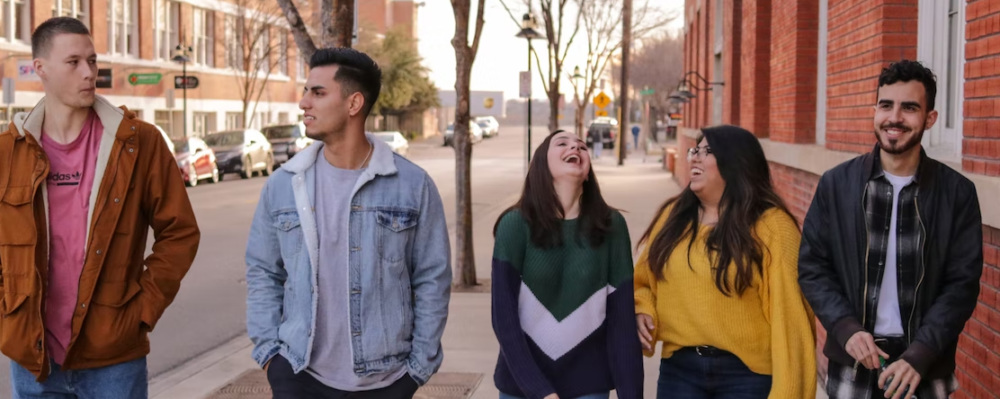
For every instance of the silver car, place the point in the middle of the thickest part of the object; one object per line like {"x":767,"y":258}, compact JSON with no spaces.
{"x":396,"y":141}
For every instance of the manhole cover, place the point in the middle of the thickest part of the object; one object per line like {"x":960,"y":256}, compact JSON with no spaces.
{"x":253,"y":385}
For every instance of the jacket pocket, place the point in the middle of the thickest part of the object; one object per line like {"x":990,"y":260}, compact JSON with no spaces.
{"x":10,"y":302}
{"x":394,"y":232}
{"x":112,"y":326}
{"x":18,"y":226}
{"x":290,"y":235}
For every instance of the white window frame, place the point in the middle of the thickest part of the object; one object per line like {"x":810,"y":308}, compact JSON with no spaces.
{"x":79,"y":9}
{"x":203,"y":123}
{"x":16,"y":23}
{"x":234,"y":42}
{"x":234,"y":120}
{"x":282,"y":52}
{"x":119,"y":43}
{"x":300,"y":66}
{"x":941,"y":47}
{"x":260,"y":48}
{"x":167,"y":28}
{"x":204,"y":37}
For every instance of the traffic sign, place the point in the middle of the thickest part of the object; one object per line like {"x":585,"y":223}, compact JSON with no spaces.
{"x":647,"y":92}
{"x":144,"y":78}
{"x":488,"y":102}
{"x":602,"y":100}
{"x":601,"y":112}
{"x":179,"y":82}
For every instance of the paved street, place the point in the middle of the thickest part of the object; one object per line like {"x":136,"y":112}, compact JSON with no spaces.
{"x":210,"y":308}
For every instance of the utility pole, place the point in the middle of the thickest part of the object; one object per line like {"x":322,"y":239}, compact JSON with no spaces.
{"x":623,"y":98}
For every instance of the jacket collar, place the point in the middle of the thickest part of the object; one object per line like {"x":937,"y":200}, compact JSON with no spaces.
{"x":381,"y":164}
{"x":31,"y":122}
{"x":873,"y":165}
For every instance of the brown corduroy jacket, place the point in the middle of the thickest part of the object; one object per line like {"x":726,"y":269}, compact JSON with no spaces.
{"x":122,"y":293}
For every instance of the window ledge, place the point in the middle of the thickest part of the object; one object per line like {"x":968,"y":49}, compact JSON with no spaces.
{"x":817,"y":160}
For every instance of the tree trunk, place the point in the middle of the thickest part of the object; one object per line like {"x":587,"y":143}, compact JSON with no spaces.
{"x":623,"y":100}
{"x":299,"y":31}
{"x":553,"y":107}
{"x":465,"y":261}
{"x":343,"y":24}
{"x":581,"y":109}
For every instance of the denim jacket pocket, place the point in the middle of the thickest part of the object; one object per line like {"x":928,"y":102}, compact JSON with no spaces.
{"x":290,"y":236}
{"x":395,"y":228}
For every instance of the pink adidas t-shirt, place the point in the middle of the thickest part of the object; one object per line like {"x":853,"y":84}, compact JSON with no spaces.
{"x":71,"y":178}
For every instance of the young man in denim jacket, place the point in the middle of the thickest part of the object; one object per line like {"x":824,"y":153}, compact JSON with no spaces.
{"x":348,"y":261}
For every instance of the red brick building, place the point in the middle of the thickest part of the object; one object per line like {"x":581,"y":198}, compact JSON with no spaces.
{"x":801,"y":75}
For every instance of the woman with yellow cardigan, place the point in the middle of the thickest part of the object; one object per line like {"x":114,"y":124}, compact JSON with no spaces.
{"x":726,"y":303}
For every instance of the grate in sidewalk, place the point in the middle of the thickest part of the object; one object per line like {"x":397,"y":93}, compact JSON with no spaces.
{"x":253,"y":385}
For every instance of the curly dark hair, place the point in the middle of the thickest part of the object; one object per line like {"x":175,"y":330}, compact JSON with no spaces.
{"x":906,"y":71}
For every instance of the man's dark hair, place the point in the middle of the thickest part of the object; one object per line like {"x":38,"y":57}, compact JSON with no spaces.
{"x":906,"y":71}
{"x":41,"y":38}
{"x":356,"y":72}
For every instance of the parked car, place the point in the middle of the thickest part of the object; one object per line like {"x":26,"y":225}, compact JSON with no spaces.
{"x":195,"y":160}
{"x":244,"y":151}
{"x":396,"y":141}
{"x":287,"y":140}
{"x":170,"y":144}
{"x":607,"y":128}
{"x":474,"y":131}
{"x":489,"y":125}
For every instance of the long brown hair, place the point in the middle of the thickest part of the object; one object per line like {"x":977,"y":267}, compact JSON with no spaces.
{"x":541,"y":209}
{"x":748,"y":194}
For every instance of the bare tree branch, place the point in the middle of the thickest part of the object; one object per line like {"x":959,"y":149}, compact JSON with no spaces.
{"x":298,"y":27}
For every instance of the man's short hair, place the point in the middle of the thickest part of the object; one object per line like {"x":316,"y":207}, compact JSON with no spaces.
{"x":41,"y":38}
{"x":906,"y":71}
{"x":356,"y":72}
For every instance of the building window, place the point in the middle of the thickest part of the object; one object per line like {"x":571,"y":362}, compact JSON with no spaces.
{"x":283,"y":52}
{"x":123,"y":27}
{"x":15,"y":20}
{"x":263,"y":119}
{"x":234,"y":120}
{"x":171,"y":122}
{"x":941,"y":47}
{"x":282,"y":117}
{"x":204,"y":37}
{"x":300,"y":67}
{"x":203,"y":123}
{"x":79,"y":9}
{"x":166,"y":15}
{"x":234,"y":42}
{"x":262,"y":47}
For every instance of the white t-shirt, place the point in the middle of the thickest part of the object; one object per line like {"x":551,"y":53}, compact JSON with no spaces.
{"x":888,"y":321}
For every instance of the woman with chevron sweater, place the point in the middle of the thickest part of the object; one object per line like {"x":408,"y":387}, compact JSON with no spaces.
{"x":562,"y":285}
{"x":726,"y":304}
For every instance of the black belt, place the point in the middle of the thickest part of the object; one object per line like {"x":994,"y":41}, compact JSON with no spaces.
{"x":708,"y":351}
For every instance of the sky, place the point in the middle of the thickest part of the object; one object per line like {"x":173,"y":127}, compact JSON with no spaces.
{"x":501,"y":54}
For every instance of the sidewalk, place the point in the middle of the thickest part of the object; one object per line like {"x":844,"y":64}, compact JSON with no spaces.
{"x":637,"y":188}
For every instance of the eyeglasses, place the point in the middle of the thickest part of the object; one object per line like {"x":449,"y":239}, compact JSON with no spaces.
{"x":694,"y":151}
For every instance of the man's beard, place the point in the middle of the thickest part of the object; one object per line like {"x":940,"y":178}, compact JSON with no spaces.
{"x":903,"y":144}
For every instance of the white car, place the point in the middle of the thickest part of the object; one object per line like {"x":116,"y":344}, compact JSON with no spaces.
{"x":489,"y":125}
{"x":396,"y":141}
{"x":475,"y":132}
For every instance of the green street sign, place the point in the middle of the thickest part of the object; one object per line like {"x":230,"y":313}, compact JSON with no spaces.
{"x":144,"y":78}
{"x":647,"y":92}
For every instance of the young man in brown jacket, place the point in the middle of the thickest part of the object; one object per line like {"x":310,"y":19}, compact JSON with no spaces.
{"x":81,"y":183}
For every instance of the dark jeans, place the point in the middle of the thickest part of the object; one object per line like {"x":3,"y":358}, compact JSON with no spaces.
{"x":286,"y":384}
{"x":688,"y":375}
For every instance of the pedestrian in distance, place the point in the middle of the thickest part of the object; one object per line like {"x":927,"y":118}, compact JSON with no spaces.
{"x":81,"y":184}
{"x":892,"y":253}
{"x":596,"y":141}
{"x":562,"y":285}
{"x":635,"y":137}
{"x":717,"y":281}
{"x":348,"y":261}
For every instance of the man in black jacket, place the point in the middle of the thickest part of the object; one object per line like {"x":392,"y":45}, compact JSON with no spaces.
{"x":892,"y":254}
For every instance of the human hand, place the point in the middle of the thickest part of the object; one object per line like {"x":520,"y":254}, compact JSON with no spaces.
{"x":646,"y":327}
{"x":902,"y":380}
{"x":862,"y":348}
{"x":552,"y":396}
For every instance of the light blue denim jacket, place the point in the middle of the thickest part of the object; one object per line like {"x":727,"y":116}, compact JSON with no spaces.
{"x":399,"y":260}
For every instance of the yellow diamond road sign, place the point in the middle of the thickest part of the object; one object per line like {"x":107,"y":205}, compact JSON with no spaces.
{"x":602,"y":100}
{"x":601,"y":112}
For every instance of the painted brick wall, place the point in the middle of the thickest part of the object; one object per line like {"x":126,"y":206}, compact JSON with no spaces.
{"x":864,"y":36}
{"x":794,"y":38}
{"x":755,"y":68}
{"x":981,"y":144}
{"x":979,"y":347}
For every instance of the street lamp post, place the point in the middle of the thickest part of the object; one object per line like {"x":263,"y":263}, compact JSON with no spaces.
{"x":528,"y":32}
{"x":183,"y":56}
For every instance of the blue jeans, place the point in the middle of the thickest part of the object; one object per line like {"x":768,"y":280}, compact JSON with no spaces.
{"x":120,"y":381}
{"x":603,"y":395}
{"x":688,"y":375}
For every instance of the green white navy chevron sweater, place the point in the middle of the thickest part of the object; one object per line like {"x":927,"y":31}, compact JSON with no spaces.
{"x":565,"y":316}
